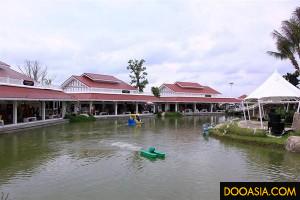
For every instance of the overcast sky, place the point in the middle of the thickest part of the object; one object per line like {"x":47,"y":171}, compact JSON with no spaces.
{"x":210,"y":42}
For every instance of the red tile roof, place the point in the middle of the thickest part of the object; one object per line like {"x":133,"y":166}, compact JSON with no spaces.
{"x":6,"y":71}
{"x":199,"y":100}
{"x":101,"y":78}
{"x":189,"y":85}
{"x":27,"y":93}
{"x":113,"y":97}
{"x":196,"y":89}
{"x":116,"y":85}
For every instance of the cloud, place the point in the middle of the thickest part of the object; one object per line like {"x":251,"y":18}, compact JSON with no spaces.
{"x":211,"y":42}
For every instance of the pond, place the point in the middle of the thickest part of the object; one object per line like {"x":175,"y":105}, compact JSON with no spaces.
{"x":100,"y":160}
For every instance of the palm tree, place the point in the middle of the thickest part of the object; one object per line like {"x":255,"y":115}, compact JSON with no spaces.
{"x":288,"y":41}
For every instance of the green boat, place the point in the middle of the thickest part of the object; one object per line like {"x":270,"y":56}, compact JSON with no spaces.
{"x":160,"y":154}
{"x":147,"y":154}
{"x":152,"y":153}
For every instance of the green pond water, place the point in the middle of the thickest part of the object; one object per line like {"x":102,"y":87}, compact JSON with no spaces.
{"x":100,"y":160}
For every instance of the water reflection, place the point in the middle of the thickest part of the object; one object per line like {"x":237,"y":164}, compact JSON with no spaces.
{"x":101,"y":159}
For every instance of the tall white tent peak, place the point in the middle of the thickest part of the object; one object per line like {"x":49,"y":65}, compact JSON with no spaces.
{"x":275,"y":88}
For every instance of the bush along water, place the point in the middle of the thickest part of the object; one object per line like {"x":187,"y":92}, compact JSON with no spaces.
{"x":231,"y":131}
{"x":173,"y":114}
{"x":80,"y":118}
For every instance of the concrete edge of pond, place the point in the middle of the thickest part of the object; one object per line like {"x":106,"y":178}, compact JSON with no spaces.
{"x":29,"y":125}
{"x":50,"y":122}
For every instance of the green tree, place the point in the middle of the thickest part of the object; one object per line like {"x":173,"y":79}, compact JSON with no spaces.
{"x":288,"y":40}
{"x":292,"y":78}
{"x":155,"y":91}
{"x":138,"y":74}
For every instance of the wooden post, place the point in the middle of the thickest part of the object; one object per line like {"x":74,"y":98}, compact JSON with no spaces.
{"x":116,"y":108}
{"x":167,"y":107}
{"x":195,"y":107}
{"x":136,"y":108}
{"x":248,"y":111}
{"x":260,"y":115}
{"x":63,"y":109}
{"x":91,"y":107}
{"x":15,"y":112}
{"x":243,"y":107}
{"x":176,"y":107}
{"x":43,"y":110}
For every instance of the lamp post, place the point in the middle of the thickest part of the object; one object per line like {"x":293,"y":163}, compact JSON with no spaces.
{"x":231,"y":84}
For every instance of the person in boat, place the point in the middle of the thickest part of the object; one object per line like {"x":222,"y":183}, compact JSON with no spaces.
{"x":138,"y":118}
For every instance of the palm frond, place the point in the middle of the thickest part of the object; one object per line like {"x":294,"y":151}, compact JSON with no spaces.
{"x":277,"y":55}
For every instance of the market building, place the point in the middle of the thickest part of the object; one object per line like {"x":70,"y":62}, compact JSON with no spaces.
{"x":190,"y":97}
{"x":99,"y":94}
{"x":23,"y":100}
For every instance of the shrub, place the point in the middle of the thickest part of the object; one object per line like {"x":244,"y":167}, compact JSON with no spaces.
{"x":81,"y":118}
{"x":234,"y":129}
{"x":173,"y":114}
{"x":159,"y":114}
{"x":68,"y":116}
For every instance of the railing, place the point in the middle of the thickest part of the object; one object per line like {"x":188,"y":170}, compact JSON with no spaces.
{"x":10,"y":81}
{"x":99,"y":90}
{"x":53,"y":87}
{"x":250,"y":107}
{"x":19,"y":82}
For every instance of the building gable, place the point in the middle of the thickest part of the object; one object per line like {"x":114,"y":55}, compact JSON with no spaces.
{"x":73,"y":85}
{"x":187,"y":89}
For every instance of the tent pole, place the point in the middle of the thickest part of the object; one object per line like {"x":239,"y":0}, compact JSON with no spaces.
{"x":298,"y":107}
{"x":248,"y":111}
{"x":244,"y":110}
{"x":260,"y":116}
{"x":262,"y":110}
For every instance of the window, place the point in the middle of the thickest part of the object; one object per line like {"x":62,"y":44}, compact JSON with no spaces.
{"x":30,"y":83}
{"x":126,"y":91}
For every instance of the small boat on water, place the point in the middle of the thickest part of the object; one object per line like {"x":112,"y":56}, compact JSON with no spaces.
{"x":134,"y":119}
{"x":152,"y":153}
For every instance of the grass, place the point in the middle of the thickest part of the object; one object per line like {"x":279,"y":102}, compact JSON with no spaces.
{"x":231,"y":131}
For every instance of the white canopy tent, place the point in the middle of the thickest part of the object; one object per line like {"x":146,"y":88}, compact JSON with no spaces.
{"x":274,"y":90}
